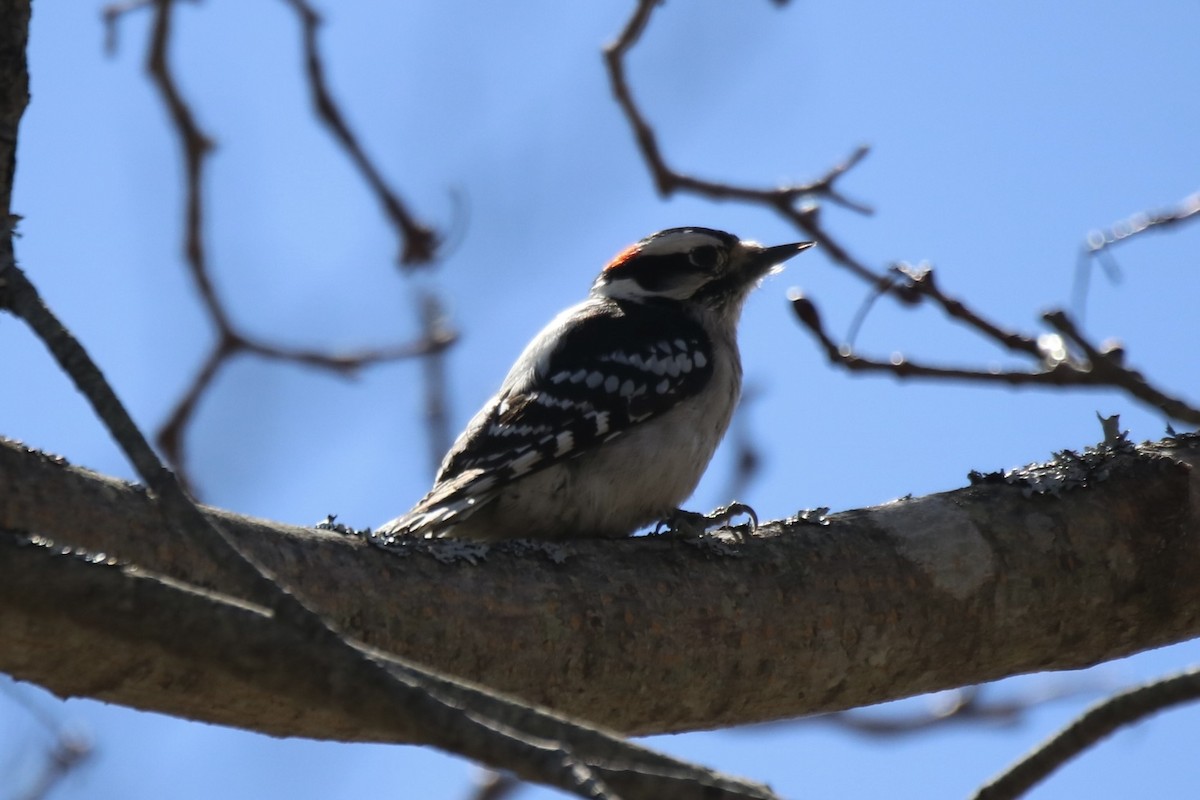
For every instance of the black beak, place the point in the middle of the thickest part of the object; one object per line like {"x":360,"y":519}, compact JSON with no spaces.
{"x":762,"y":262}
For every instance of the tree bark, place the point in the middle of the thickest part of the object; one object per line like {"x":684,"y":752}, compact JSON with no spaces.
{"x":644,"y":635}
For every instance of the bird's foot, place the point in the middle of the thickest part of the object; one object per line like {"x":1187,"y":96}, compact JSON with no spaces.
{"x":693,"y":524}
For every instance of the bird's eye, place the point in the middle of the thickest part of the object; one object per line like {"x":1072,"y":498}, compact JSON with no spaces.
{"x":705,"y":257}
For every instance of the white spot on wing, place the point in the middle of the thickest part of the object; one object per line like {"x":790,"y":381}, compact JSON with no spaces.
{"x":700,"y":360}
{"x":663,"y":386}
{"x":611,"y":383}
{"x":550,"y":401}
{"x":566,"y":443}
{"x":525,"y":462}
{"x":627,"y":388}
{"x":594,"y":379}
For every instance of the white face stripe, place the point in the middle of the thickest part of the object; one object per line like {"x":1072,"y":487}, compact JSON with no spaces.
{"x":622,"y":280}
{"x":628,"y":288}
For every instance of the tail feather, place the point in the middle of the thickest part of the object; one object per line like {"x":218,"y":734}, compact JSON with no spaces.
{"x":446,"y":505}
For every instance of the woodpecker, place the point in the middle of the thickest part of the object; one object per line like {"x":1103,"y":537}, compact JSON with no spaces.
{"x":612,"y":412}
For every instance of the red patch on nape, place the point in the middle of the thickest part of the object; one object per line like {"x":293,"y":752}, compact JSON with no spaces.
{"x":622,"y":258}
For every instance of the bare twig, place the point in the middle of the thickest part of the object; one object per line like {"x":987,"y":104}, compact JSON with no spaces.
{"x":1087,"y":366}
{"x":196,"y":147}
{"x":920,"y":282}
{"x":70,"y":748}
{"x":437,"y":416}
{"x":966,"y":705}
{"x":796,"y":203}
{"x":1094,"y":725}
{"x":1106,"y":365}
{"x":112,"y":14}
{"x":1188,"y":210}
{"x":747,"y":462}
{"x":1100,"y":243}
{"x":418,"y":241}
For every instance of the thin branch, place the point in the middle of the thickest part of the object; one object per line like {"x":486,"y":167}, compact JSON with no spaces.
{"x":418,"y":241}
{"x":1188,"y":210}
{"x":69,"y":752}
{"x":902,"y":367}
{"x":1107,"y":367}
{"x":111,"y":15}
{"x":1090,"y":367}
{"x":966,"y":705}
{"x":920,"y":281}
{"x":1097,"y":249}
{"x":70,"y":749}
{"x":1094,"y":725}
{"x":793,"y":202}
{"x":196,"y":148}
{"x":747,"y":461}
{"x":171,"y":436}
{"x":437,"y":416}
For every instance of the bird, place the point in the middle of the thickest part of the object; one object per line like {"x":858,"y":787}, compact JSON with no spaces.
{"x":609,"y":417}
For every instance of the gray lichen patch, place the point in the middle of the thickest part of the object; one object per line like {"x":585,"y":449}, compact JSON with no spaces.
{"x":943,"y":541}
{"x":1067,"y":469}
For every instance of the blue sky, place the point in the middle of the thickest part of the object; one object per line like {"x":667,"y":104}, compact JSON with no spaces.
{"x":1001,"y":135}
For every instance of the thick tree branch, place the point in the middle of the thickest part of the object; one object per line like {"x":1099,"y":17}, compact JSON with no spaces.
{"x":641,"y":635}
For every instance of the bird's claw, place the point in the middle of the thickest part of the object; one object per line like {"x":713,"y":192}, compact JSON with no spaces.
{"x":693,"y":524}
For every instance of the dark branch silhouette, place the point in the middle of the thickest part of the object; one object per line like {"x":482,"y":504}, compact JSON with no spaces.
{"x":69,"y":749}
{"x":1066,"y":358}
{"x":1089,"y":366}
{"x":794,"y":203}
{"x":419,"y":242}
{"x":1094,"y":725}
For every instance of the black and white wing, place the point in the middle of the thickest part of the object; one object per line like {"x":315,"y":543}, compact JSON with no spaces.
{"x":574,"y":388}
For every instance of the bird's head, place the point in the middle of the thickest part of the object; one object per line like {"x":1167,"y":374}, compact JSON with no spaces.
{"x":699,"y":266}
